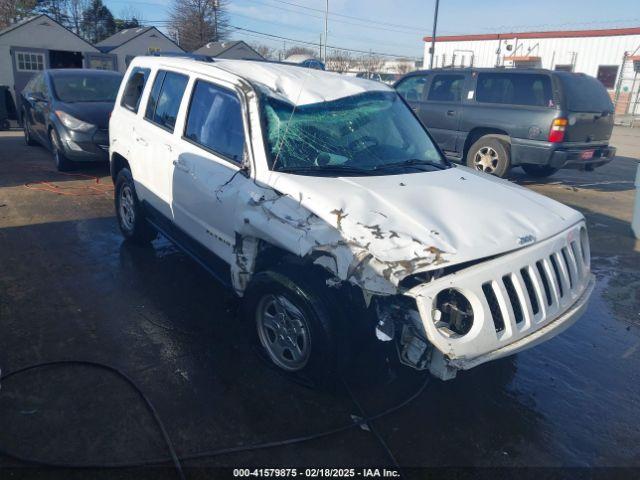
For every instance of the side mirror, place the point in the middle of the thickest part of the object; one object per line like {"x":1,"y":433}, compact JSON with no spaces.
{"x":36,"y":97}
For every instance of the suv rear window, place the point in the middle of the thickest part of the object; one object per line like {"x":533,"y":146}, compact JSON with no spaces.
{"x":135,"y":87}
{"x":165,"y":98}
{"x":583,"y":93}
{"x":515,"y":89}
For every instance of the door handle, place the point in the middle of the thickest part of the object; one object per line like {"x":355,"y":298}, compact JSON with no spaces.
{"x":168,"y":147}
{"x":451,"y":113}
{"x":142,"y":141}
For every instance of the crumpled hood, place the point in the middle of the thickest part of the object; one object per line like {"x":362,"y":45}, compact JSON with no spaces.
{"x":420,"y":221}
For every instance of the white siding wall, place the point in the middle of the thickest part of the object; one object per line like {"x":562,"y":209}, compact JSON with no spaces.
{"x":591,"y":51}
{"x":141,"y":45}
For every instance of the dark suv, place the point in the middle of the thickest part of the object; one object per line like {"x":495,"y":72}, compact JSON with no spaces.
{"x":494,"y":119}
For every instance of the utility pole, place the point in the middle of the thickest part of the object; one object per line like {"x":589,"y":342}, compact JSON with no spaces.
{"x":326,"y":30}
{"x":433,"y":36}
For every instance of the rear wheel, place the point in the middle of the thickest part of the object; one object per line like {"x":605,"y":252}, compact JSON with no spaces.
{"x":539,"y":171}
{"x":26,"y":126}
{"x":489,"y":155}
{"x":63,"y":164}
{"x":131,"y":218}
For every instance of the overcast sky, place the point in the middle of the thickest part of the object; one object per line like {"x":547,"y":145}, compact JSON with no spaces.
{"x":398,"y":26}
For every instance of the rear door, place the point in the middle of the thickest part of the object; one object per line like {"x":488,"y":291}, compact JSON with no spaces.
{"x":442,"y":112}
{"x":589,"y":108}
{"x":157,"y":143}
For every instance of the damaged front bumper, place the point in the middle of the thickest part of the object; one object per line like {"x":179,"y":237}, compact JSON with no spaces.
{"x":514,"y":301}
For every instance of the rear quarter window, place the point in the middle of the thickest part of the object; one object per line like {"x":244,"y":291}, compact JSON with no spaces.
{"x":583,"y":93}
{"x":515,"y":89}
{"x":134,"y":88}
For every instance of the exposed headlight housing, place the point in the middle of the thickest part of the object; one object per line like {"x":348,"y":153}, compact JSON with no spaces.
{"x":453,"y":314}
{"x":72,"y":123}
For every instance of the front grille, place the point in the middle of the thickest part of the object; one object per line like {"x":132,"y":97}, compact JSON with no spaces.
{"x":528,"y":295}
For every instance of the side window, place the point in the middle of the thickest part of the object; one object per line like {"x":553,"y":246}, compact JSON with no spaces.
{"x":165,"y":98}
{"x":515,"y":89}
{"x":215,"y":120}
{"x":446,"y":88}
{"x":134,"y":88}
{"x":412,"y":89}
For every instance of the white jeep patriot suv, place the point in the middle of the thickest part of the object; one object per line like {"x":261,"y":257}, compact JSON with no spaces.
{"x":324,"y":203}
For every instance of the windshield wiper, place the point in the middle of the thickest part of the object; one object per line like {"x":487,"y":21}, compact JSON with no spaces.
{"x":327,"y":169}
{"x":413,"y":162}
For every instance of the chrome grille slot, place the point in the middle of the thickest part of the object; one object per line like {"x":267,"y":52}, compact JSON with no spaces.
{"x":533,"y":298}
{"x":513,"y":298}
{"x":545,"y":281}
{"x":494,"y":306}
{"x":556,"y":270}
{"x":569,"y":266}
{"x":577,"y":256}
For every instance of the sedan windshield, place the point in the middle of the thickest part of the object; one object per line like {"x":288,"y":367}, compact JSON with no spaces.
{"x":86,"y":87}
{"x":373,"y":133}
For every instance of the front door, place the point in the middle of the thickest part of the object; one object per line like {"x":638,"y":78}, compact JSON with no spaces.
{"x":443,"y":112}
{"x":207,"y":169}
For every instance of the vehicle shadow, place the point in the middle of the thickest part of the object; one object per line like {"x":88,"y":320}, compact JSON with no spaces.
{"x":617,"y":176}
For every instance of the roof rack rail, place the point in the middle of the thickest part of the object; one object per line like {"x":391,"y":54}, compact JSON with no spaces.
{"x":192,"y":56}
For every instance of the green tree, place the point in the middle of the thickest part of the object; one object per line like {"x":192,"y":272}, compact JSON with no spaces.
{"x":97,"y":22}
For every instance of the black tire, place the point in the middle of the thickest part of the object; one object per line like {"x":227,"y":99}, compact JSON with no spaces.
{"x":63,"y":164}
{"x":308,"y":293}
{"x":129,"y":212}
{"x":28,"y":138}
{"x":490,"y":155}
{"x":539,"y":171}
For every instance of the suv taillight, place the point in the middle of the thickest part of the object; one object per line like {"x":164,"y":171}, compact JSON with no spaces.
{"x":558,"y":126}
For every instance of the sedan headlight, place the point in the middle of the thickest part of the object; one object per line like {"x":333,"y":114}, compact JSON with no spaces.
{"x":453,"y":313}
{"x":72,"y":123}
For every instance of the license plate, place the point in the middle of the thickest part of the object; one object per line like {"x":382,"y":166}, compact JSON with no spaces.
{"x":587,"y":154}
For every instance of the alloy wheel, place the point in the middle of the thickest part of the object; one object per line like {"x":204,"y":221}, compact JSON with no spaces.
{"x":284,"y":332}
{"x":126,"y":208}
{"x":486,"y":160}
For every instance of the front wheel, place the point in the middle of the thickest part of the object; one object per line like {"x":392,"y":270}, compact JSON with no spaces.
{"x":63,"y":164}
{"x":294,"y":322}
{"x":28,"y":137}
{"x":131,"y":218}
{"x":539,"y":171}
{"x":489,"y":155}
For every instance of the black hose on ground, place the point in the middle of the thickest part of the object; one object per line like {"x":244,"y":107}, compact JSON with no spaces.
{"x":173,"y":457}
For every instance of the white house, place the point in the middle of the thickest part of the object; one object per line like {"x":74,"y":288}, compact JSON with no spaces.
{"x":132,"y":42}
{"x":607,"y":54}
{"x":40,"y":42}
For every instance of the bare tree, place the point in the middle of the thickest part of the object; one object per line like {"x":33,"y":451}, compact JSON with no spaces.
{"x":75,"y":10}
{"x":298,"y":51}
{"x":372,"y":63}
{"x":196,"y":22}
{"x":12,"y":11}
{"x":264,"y":50}
{"x":404,"y":67}
{"x":339,"y":61}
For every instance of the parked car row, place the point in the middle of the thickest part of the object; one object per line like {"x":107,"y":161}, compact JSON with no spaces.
{"x":490,"y":119}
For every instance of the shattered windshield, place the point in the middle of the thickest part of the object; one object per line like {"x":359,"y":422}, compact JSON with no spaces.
{"x":373,"y":133}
